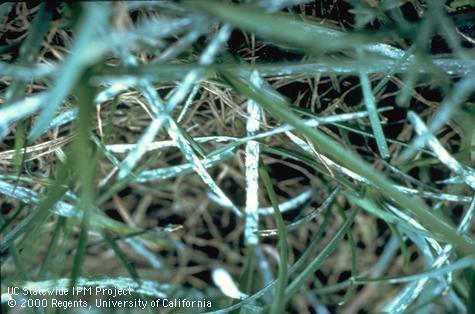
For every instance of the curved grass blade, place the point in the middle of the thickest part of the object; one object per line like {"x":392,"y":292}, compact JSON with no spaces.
{"x":307,"y":218}
{"x":459,"y":94}
{"x":313,"y":265}
{"x":291,"y":204}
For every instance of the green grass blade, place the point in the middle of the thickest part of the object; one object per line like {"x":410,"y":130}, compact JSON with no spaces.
{"x":94,"y":18}
{"x":373,"y":115}
{"x":313,"y":265}
{"x":53,"y":245}
{"x":121,"y":255}
{"x":278,"y":28}
{"x":278,"y":306}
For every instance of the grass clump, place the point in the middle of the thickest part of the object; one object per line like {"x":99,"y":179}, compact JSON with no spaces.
{"x":238,"y":156}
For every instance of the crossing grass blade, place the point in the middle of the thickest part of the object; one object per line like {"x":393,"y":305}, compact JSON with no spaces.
{"x":121,"y":255}
{"x":279,"y":108}
{"x":313,"y":265}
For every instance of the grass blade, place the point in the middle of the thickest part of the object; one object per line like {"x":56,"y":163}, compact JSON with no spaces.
{"x":278,"y":306}
{"x":94,"y":17}
{"x":313,"y":266}
{"x":373,"y":116}
{"x":121,"y":255}
{"x":252,"y":175}
{"x":279,"y":28}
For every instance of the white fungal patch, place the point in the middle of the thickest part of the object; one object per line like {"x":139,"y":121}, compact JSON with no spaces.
{"x":223,"y":280}
{"x":178,"y":95}
{"x":442,"y":154}
{"x":198,"y":166}
{"x":252,"y":169}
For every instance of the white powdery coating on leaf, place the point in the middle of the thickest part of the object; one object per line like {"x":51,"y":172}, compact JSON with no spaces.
{"x":468,"y":218}
{"x":170,"y":172}
{"x":124,"y":148}
{"x":140,"y":249}
{"x":157,"y":123}
{"x":178,"y":95}
{"x":288,"y":205}
{"x":385,"y":50}
{"x":223,"y":280}
{"x":402,"y":301}
{"x":188,"y":103}
{"x":416,"y":225}
{"x":182,"y":43}
{"x":284,"y":207}
{"x":28,"y":196}
{"x":442,"y":154}
{"x":459,"y":94}
{"x":140,"y":147}
{"x":21,"y":109}
{"x":82,"y":54}
{"x":205,"y":59}
{"x":251,"y":170}
{"x":437,"y":196}
{"x":208,"y":55}
{"x":63,"y":118}
{"x":116,"y":88}
{"x":198,"y":166}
